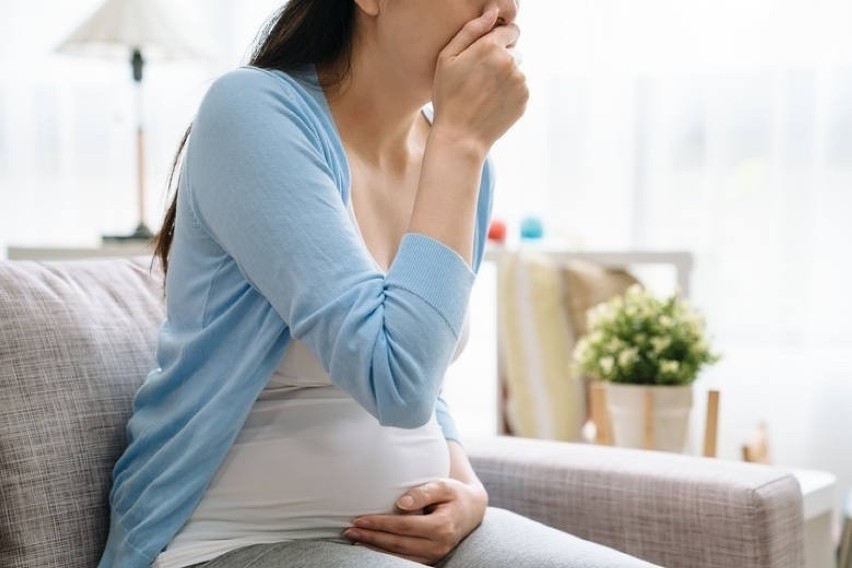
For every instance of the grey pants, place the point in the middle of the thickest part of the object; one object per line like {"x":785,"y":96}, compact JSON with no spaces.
{"x":503,"y":539}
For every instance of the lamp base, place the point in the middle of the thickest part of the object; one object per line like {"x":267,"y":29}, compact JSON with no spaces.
{"x":142,"y":233}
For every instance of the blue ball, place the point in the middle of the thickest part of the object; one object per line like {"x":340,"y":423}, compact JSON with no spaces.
{"x":532,"y":228}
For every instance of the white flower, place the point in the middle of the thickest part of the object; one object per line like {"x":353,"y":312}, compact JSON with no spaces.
{"x":607,"y":363}
{"x":598,"y":315}
{"x":666,"y":321}
{"x":615,"y":304}
{"x":628,"y":357}
{"x":660,"y":343}
{"x":669,"y":367}
{"x":696,"y":325}
{"x":634,"y":292}
{"x":614,"y":345}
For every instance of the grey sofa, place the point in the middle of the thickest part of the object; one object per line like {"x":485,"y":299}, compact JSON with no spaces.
{"x":77,"y":338}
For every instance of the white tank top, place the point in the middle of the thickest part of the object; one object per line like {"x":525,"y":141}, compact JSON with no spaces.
{"x":308,"y":460}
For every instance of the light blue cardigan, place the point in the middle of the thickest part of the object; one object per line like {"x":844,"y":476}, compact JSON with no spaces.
{"x":264,"y":250}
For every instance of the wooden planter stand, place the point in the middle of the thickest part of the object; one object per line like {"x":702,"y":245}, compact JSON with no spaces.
{"x":600,"y":417}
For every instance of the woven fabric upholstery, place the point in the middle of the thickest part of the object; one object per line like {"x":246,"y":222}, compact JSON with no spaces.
{"x":76,"y":340}
{"x":672,"y":510}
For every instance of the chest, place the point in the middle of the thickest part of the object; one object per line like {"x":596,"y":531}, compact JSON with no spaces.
{"x":382,"y":206}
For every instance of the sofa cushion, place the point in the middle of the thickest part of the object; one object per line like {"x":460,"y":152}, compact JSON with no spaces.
{"x":544,"y":399}
{"x":76,"y":340}
{"x":587,"y":284}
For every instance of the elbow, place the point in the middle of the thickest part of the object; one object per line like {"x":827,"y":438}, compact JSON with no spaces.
{"x":406,"y":414}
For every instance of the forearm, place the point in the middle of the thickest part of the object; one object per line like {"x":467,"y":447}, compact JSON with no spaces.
{"x":460,"y":468}
{"x":445,"y":208}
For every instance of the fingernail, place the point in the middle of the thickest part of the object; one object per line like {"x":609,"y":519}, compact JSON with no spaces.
{"x":363,"y":523}
{"x":405,"y":502}
{"x":354,"y":535}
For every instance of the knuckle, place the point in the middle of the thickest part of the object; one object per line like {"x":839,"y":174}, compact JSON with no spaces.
{"x":493,"y":60}
{"x":500,"y":61}
{"x":506,"y":62}
{"x":445,"y":533}
{"x":444,"y":550}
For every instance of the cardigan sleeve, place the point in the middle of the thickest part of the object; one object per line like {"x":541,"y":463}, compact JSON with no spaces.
{"x":265,"y":188}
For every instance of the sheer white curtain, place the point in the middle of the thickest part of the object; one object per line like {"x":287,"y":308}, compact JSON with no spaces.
{"x":66,"y":123}
{"x":723,"y":127}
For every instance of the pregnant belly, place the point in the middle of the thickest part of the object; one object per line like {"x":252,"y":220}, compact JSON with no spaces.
{"x":306,"y":466}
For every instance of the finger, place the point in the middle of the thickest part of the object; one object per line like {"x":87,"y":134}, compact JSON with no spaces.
{"x":504,"y":36}
{"x":472,"y":31}
{"x":425,"y":495}
{"x":409,"y":525}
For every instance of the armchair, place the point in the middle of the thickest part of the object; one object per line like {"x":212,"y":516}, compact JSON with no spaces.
{"x":77,"y":338}
{"x":670,"y":509}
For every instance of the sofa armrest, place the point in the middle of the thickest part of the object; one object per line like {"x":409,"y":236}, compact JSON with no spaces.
{"x":673,"y":510}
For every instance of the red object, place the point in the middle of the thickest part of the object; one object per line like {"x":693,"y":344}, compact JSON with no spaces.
{"x":497,"y":231}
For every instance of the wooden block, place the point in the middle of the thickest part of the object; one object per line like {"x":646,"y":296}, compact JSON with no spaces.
{"x":845,"y":553}
{"x":648,"y":438}
{"x":756,"y":450}
{"x":711,"y":424}
{"x":600,"y":416}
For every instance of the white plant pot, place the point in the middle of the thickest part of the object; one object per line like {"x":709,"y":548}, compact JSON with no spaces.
{"x":669,"y":420}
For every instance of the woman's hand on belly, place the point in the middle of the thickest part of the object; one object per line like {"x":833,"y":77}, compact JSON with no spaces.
{"x":434,"y":518}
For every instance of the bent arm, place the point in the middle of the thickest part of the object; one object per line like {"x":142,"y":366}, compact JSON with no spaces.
{"x":266,"y":185}
{"x":462,"y":470}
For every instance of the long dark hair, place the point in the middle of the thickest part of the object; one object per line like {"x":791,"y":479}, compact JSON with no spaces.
{"x":302,"y":32}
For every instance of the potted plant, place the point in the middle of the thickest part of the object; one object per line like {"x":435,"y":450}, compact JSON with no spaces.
{"x":649,"y":351}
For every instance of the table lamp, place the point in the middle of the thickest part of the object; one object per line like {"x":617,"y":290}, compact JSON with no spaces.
{"x":138,"y":28}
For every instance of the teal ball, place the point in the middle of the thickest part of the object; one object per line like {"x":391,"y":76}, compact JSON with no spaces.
{"x":532,"y":228}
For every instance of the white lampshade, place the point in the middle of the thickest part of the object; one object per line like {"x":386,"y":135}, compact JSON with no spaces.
{"x":122,"y":25}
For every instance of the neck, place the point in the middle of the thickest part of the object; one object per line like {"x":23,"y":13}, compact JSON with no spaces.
{"x":376,"y":109}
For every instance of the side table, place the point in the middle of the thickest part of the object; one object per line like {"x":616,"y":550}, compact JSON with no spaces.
{"x":845,"y":552}
{"x":819,"y":490}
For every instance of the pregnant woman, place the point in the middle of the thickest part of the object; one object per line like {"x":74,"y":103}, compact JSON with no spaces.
{"x":320,"y":251}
